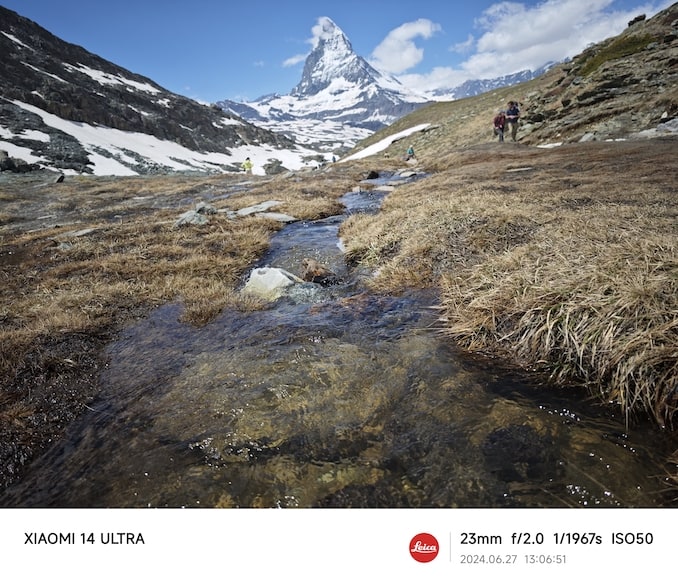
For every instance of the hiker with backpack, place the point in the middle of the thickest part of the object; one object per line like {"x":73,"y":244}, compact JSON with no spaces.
{"x":512,"y":117}
{"x":499,"y":123}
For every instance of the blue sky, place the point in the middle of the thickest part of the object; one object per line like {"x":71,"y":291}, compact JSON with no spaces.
{"x":215,"y":49}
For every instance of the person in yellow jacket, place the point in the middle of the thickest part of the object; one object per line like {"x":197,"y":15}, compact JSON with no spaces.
{"x":247,"y":165}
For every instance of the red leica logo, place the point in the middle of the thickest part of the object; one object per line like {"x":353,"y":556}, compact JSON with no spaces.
{"x":424,"y":548}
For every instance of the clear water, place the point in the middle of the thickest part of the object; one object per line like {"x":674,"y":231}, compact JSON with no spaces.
{"x":334,"y":397}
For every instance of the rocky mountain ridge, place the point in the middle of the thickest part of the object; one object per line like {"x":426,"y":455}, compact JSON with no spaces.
{"x":339,"y":100}
{"x":479,"y":86}
{"x":47,"y":81}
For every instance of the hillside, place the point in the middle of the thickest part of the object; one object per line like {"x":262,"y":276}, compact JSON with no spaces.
{"x":560,"y":259}
{"x":615,"y":89}
{"x":66,"y":109}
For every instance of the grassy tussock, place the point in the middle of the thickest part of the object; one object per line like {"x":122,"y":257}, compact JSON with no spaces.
{"x":582,"y":316}
{"x":430,"y":228}
{"x":566,"y":265}
{"x":134,"y":259}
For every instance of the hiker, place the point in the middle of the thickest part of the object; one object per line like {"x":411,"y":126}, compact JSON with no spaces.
{"x":247,"y":166}
{"x":499,"y":123}
{"x":410,"y":153}
{"x":512,"y":118}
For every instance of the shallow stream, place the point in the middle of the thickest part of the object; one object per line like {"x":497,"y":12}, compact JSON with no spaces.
{"x":334,"y":397}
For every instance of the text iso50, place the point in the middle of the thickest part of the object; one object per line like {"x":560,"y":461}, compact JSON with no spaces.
{"x":632,"y":538}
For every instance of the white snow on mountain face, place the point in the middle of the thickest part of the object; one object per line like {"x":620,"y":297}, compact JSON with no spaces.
{"x":17,"y":151}
{"x":98,"y":140}
{"x":333,"y":62}
{"x":335,"y":54}
{"x":40,"y":71}
{"x":336,"y":136}
{"x":112,"y":80}
{"x":15,"y":40}
{"x":340,"y":100}
{"x":385,"y":143}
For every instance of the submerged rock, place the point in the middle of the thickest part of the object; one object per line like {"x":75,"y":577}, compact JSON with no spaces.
{"x":317,"y":273}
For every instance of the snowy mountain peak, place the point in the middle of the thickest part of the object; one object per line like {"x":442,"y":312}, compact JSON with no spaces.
{"x":332,"y":58}
{"x":340,"y":100}
{"x":331,"y":36}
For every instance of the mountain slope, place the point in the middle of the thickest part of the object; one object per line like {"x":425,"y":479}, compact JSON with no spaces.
{"x":66,"y":108}
{"x":622,"y":87}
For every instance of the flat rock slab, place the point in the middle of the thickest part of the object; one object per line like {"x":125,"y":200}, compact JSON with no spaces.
{"x":263,"y":207}
{"x":279,"y":216}
{"x":78,"y":233}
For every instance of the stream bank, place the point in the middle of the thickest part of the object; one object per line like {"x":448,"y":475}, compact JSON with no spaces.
{"x":332,"y":397}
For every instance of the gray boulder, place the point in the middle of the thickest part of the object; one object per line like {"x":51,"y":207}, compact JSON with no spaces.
{"x":270,"y":283}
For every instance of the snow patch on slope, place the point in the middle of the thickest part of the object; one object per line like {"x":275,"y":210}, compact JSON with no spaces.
{"x":384,"y":144}
{"x":116,"y":152}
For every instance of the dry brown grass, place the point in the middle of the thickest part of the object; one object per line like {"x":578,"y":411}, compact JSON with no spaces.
{"x":563,"y":261}
{"x":64,"y":295}
{"x":134,"y":257}
{"x":558,"y":260}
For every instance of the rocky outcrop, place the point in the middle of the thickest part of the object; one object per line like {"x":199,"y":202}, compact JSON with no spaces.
{"x":621,"y":86}
{"x":40,"y":72}
{"x":270,"y":283}
{"x":315,"y":272}
{"x":8,"y":163}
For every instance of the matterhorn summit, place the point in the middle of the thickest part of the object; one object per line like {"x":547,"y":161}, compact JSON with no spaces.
{"x":331,"y":58}
{"x":332,"y":63}
{"x":340,"y":99}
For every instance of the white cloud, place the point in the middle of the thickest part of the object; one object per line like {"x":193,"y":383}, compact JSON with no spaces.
{"x":515,"y":27}
{"x":515,"y":37}
{"x":296,"y":59}
{"x":398,"y":52}
{"x":318,"y":32}
{"x":464,"y":47}
{"x":321,"y":30}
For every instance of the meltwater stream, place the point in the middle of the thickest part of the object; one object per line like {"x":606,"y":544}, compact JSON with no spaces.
{"x":333,"y":397}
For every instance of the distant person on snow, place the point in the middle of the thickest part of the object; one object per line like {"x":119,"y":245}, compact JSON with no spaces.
{"x":512,"y":117}
{"x":246,"y":166}
{"x":410,"y":153}
{"x":499,"y":124}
